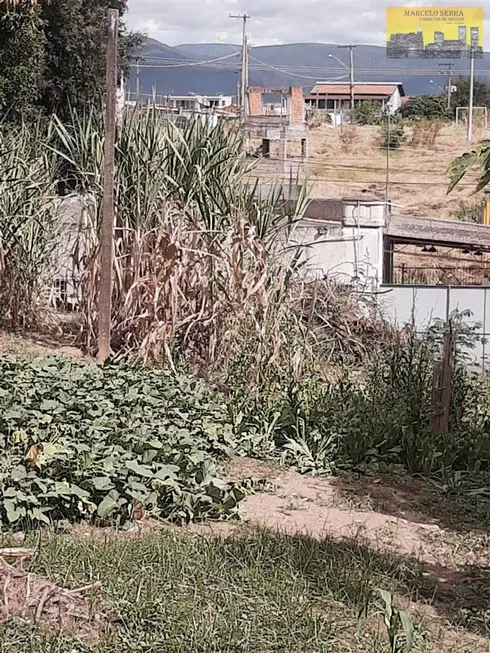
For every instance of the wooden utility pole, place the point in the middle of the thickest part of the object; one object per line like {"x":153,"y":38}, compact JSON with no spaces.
{"x":449,"y":76}
{"x":244,"y":76}
{"x":469,"y":135}
{"x":138,"y":82}
{"x":107,"y":226}
{"x":351,"y":73}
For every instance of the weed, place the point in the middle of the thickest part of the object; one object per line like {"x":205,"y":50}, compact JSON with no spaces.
{"x":399,"y":625}
{"x":348,"y":137}
{"x":425,"y":133}
{"x":80,"y":442}
{"x":469,"y":212}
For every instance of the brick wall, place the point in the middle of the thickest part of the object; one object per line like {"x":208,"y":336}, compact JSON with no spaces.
{"x":297,"y":105}
{"x":255,"y":102}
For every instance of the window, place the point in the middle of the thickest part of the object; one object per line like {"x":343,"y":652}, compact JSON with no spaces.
{"x":331,"y":105}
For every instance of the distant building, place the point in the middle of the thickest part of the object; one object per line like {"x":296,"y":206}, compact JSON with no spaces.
{"x":193,"y":102}
{"x":462,"y":36}
{"x":335,"y":97}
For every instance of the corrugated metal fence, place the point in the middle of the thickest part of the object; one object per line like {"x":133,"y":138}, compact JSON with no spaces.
{"x":402,"y":305}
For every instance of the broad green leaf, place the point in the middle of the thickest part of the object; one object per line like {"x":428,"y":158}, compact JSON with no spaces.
{"x":141,"y":470}
{"x":106,"y":506}
{"x":11,"y":508}
{"x":48,"y":405}
{"x":102,"y":483}
{"x":167,"y":471}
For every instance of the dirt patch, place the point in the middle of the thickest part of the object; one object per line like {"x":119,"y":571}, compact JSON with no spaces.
{"x":38,"y":601}
{"x":399,"y":518}
{"x":32,"y":344}
{"x":320,"y":507}
{"x":455,"y":565}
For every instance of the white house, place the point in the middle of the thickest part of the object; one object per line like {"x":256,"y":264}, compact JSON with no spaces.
{"x":196,"y":102}
{"x":335,"y":97}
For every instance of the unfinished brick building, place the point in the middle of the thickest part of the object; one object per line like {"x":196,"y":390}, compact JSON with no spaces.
{"x":289,"y":126}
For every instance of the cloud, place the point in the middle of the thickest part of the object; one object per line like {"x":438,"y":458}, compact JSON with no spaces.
{"x":271,"y":22}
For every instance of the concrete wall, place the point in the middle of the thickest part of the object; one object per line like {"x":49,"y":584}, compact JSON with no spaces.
{"x":349,"y":251}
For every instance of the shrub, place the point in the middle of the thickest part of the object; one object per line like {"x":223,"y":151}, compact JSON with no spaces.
{"x":81,"y":442}
{"x":425,"y":107}
{"x":367,"y":113}
{"x":469,"y":212}
{"x":425,"y":133}
{"x":317,"y":118}
{"x":392,"y":133}
{"x":348,"y":136}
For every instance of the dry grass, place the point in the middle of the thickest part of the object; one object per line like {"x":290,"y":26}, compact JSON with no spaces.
{"x":35,"y":600}
{"x":418,"y":170}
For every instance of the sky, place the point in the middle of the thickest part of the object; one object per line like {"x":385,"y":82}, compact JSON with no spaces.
{"x":273,"y":22}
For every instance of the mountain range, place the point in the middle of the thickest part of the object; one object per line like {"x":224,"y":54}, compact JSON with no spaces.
{"x":178,"y":70}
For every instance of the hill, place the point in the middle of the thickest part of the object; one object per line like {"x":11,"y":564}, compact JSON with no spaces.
{"x":296,"y":64}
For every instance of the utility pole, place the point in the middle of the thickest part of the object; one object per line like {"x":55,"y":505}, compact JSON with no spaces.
{"x":107,"y":226}
{"x":469,"y":135}
{"x":138,"y":81}
{"x":244,"y":77}
{"x":449,"y":76}
{"x":351,"y":73}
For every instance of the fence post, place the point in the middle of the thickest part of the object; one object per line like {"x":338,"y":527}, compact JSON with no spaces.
{"x":403,"y":273}
{"x":441,"y":394}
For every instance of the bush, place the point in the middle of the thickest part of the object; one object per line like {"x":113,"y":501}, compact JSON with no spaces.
{"x":317,"y":118}
{"x":392,"y":133}
{"x":382,"y":422}
{"x":425,"y":107}
{"x":367,"y":113}
{"x":425,"y":133}
{"x":469,"y":212}
{"x":348,"y":136}
{"x":80,"y":442}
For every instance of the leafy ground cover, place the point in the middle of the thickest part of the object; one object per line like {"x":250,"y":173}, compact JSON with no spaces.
{"x":79,"y":442}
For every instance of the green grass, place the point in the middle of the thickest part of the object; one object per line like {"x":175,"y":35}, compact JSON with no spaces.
{"x":262,"y":591}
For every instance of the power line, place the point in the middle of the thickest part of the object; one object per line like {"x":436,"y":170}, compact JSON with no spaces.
{"x":160,"y":63}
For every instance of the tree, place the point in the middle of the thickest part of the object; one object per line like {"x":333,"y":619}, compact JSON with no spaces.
{"x":481,"y":94}
{"x":392,"y":133}
{"x":76,"y":34}
{"x":431,"y":107}
{"x":52,"y":54}
{"x":22,"y":42}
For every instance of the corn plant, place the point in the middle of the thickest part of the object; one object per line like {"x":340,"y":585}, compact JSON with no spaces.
{"x":195,"y":247}
{"x":398,"y":623}
{"x":28,"y":225}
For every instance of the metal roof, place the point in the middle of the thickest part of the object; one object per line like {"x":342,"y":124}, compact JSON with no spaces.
{"x":450,"y":233}
{"x":359,"y":89}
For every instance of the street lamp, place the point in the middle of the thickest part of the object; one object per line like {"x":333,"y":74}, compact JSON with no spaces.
{"x":332,"y":56}
{"x":431,"y":81}
{"x":350,"y":68}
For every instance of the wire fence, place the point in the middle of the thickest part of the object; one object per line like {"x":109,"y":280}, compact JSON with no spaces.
{"x":475,"y":275}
